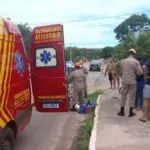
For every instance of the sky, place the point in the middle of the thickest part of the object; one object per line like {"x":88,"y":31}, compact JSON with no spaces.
{"x":87,"y":23}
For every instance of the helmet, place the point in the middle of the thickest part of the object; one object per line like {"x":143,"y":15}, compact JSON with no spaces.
{"x":77,"y":64}
{"x":132,"y":50}
{"x":81,"y":62}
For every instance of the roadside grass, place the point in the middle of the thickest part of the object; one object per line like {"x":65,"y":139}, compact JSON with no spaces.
{"x":86,"y":128}
{"x":93,"y":96}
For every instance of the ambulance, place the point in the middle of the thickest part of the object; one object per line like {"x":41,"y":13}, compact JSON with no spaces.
{"x":47,"y":84}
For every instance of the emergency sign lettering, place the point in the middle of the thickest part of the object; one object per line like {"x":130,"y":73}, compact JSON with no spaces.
{"x":50,"y":34}
{"x":21,"y":97}
{"x":48,"y":29}
{"x":56,"y":97}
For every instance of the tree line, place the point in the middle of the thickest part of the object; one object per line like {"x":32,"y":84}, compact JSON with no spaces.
{"x":71,"y":53}
{"x":133,"y":32}
{"x":74,"y":53}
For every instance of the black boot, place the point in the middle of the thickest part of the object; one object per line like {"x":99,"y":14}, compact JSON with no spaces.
{"x":73,"y":108}
{"x":131,"y":113}
{"x":121,"y":113}
{"x":86,"y":96}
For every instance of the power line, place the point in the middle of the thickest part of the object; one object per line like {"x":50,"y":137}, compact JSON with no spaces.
{"x":91,"y":19}
{"x":86,"y":43}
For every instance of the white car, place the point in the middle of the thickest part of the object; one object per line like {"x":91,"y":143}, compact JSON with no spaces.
{"x":69,"y":66}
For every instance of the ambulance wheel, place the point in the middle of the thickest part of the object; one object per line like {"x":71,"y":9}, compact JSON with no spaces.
{"x":7,"y":140}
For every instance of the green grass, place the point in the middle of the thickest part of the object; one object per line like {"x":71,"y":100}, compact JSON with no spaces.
{"x":94,"y":95}
{"x":85,"y":132}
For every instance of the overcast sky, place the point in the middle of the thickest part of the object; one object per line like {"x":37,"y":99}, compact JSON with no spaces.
{"x":101,"y":16}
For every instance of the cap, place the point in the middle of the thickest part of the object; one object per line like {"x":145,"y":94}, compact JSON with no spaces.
{"x":132,"y":50}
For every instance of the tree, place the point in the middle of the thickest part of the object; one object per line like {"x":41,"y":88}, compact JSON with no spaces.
{"x":77,"y":53}
{"x":26,"y":33}
{"x":130,"y":41}
{"x":143,"y":44}
{"x":120,"y":51}
{"x":107,"y":52}
{"x":134,"y":23}
{"x":72,"y":52}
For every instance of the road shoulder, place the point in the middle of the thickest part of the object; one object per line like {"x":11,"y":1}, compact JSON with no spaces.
{"x":118,"y":133}
{"x":92,"y":143}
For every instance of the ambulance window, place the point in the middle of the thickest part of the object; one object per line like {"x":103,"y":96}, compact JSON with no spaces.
{"x":46,"y":57}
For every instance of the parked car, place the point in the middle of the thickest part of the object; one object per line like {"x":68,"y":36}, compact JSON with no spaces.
{"x":69,"y":67}
{"x":69,"y":64}
{"x":95,"y":65}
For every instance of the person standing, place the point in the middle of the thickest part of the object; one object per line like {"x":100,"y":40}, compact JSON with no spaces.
{"x":109,"y":70}
{"x":77,"y":78}
{"x":85,"y":71}
{"x":140,"y":82}
{"x":115,"y":73}
{"x":118,"y":73}
{"x":146,"y":92}
{"x":130,"y":68}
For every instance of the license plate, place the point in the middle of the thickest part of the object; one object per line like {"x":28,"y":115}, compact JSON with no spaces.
{"x":50,"y":105}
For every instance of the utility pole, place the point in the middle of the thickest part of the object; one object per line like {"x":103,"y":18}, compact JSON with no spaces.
{"x":70,"y":52}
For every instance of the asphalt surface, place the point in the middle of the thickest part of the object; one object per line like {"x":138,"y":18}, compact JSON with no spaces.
{"x":55,"y":131}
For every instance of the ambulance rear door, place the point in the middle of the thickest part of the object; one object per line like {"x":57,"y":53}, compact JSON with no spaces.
{"x":48,"y":74}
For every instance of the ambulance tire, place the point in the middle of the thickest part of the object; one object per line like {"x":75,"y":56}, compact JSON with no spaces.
{"x":7,"y":140}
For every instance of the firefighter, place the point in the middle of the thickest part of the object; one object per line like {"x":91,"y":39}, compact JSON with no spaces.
{"x":85,"y":71}
{"x":77,"y":78}
{"x":130,"y":68}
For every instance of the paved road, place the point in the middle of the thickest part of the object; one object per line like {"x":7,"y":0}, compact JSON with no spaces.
{"x":55,"y":131}
{"x":96,"y":80}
